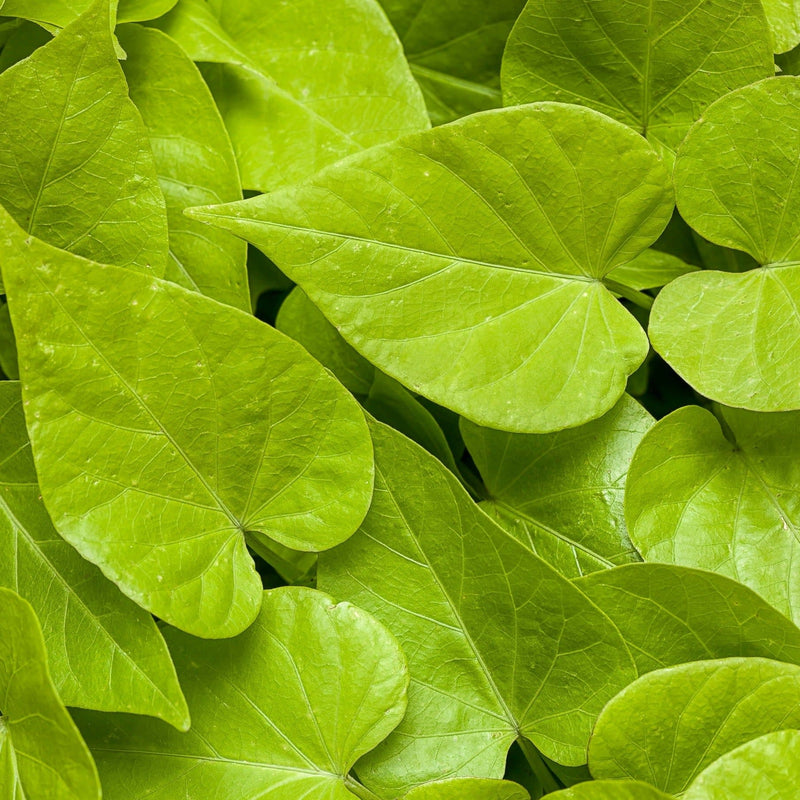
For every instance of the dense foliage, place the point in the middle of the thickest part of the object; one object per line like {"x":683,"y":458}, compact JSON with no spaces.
{"x":400,"y":399}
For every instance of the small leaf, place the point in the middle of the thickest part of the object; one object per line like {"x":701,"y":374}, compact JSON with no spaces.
{"x":76,"y":169}
{"x":468,"y":789}
{"x":281,"y":712}
{"x":669,"y":725}
{"x":165,"y":426}
{"x":697,"y":498}
{"x":561,"y":494}
{"x":42,"y":754}
{"x":473,"y":309}
{"x":499,"y":644}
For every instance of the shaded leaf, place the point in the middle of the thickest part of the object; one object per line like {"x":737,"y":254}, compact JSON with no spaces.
{"x":8,"y":345}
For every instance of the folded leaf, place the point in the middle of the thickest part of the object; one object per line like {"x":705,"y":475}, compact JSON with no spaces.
{"x":670,"y":725}
{"x":76,"y":169}
{"x":104,"y":651}
{"x":194,"y":160}
{"x":721,"y":498}
{"x":165,"y":425}
{"x":42,"y":754}
{"x":652,"y":64}
{"x":561,"y":493}
{"x":301,"y":84}
{"x":610,"y":790}
{"x":499,"y":311}
{"x":280,"y":713}
{"x":468,"y":789}
{"x":499,"y":644}
{"x":736,"y":337}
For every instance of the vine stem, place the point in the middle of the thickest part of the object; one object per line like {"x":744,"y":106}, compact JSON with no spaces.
{"x":538,"y":767}
{"x":637,"y":298}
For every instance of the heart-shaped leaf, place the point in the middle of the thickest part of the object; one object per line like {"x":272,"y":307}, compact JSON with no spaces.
{"x":721,"y":494}
{"x":165,"y":426}
{"x":499,"y":311}
{"x":76,"y":167}
{"x":282,"y":712}
{"x":41,"y":752}
{"x":468,"y":789}
{"x":300,"y":85}
{"x":104,"y":651}
{"x":652,"y":64}
{"x":561,"y":493}
{"x":499,"y":644}
{"x":736,"y":337}
{"x":670,"y":725}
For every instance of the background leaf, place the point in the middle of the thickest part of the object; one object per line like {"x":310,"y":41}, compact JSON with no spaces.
{"x":784,"y":20}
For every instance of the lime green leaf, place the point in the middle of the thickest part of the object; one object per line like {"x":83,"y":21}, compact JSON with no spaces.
{"x":282,"y":712}
{"x":76,"y":169}
{"x":165,"y":425}
{"x":610,"y":790}
{"x":468,"y":789}
{"x":455,"y":48}
{"x":669,"y":725}
{"x":560,"y":197}
{"x":650,"y":270}
{"x":442,"y":576}
{"x":736,"y":337}
{"x":728,"y":504}
{"x":194,"y":160}
{"x":58,"y":13}
{"x":652,"y":64}
{"x":768,"y":768}
{"x":104,"y":651}
{"x":562,"y":493}
{"x":41,"y":750}
{"x":303,"y":84}
{"x":784,"y":20}
{"x":670,"y":615}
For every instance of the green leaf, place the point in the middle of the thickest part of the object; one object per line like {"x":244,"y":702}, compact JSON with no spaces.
{"x":767,"y":768}
{"x":41,"y":751}
{"x":610,"y":790}
{"x":165,"y":426}
{"x":58,"y":13}
{"x":560,"y":197}
{"x":104,"y":651}
{"x":670,"y":615}
{"x":468,"y":789}
{"x":652,"y":64}
{"x":76,"y":169}
{"x":8,"y":345}
{"x":455,"y":49}
{"x":670,"y":725}
{"x":650,"y":270}
{"x":499,"y":644}
{"x":784,"y":21}
{"x":736,"y":337}
{"x":194,"y":160}
{"x":21,"y":43}
{"x":561,"y":494}
{"x":281,"y":712}
{"x":302,"y":84}
{"x":721,"y":495}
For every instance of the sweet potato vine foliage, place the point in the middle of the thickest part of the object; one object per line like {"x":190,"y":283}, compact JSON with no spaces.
{"x":400,"y":399}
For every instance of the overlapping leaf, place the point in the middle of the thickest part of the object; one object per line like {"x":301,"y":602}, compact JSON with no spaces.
{"x":468,"y":789}
{"x":301,"y":84}
{"x":562,"y":493}
{"x":165,"y":426}
{"x":499,"y":644}
{"x":721,"y":498}
{"x":652,"y":64}
{"x":58,"y":13}
{"x":281,"y":712}
{"x":104,"y":652}
{"x":611,"y":790}
{"x":784,"y":20}
{"x":487,"y":243}
{"x":736,"y":337}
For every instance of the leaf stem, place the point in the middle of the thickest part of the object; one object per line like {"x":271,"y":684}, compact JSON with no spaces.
{"x":637,"y":298}
{"x":538,"y":767}
{"x":359,"y":790}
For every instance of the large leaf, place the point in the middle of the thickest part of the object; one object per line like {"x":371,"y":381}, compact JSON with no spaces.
{"x":721,"y":498}
{"x":610,"y":790}
{"x":58,"y":13}
{"x":165,"y":426}
{"x":784,"y":20}
{"x":514,"y":327}
{"x":455,"y":48}
{"x":41,"y":752}
{"x":652,"y":64}
{"x":767,"y":768}
{"x":499,"y":644}
{"x":194,"y":160}
{"x":468,"y":789}
{"x":281,"y":712}
{"x":562,"y":493}
{"x":670,"y":725}
{"x":736,"y":337}
{"x":301,"y":84}
{"x":104,"y":651}
{"x":671,"y":615}
{"x":76,"y":169}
